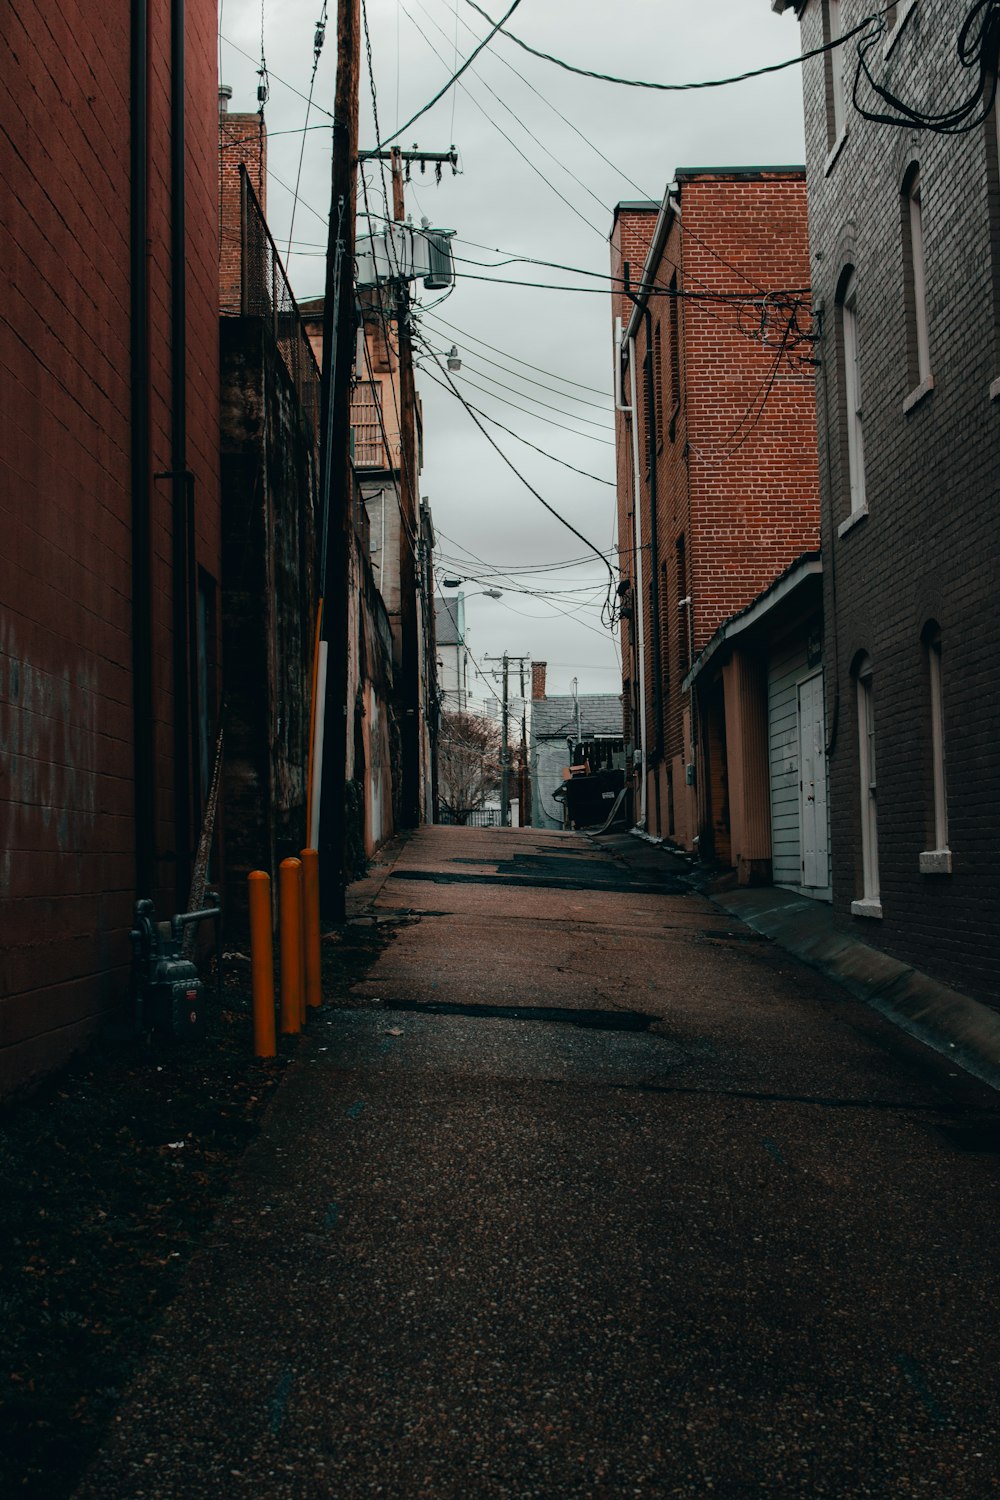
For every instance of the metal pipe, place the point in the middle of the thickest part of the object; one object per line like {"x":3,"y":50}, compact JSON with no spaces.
{"x":640,"y":601}
{"x":179,"y":476}
{"x":261,"y":963}
{"x":142,"y":592}
{"x":654,"y":560}
{"x":290,"y":926}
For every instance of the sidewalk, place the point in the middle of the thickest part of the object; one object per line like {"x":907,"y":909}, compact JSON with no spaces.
{"x":954,"y":1024}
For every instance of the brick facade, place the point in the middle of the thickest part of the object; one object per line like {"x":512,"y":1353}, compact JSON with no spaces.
{"x":726,"y":430}
{"x":67,"y":880}
{"x":925,"y":553}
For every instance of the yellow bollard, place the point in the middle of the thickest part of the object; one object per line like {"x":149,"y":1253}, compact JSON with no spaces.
{"x":290,"y":926}
{"x":261,"y":963}
{"x":310,"y":907}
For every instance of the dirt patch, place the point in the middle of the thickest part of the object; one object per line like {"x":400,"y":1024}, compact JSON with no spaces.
{"x":110,"y":1178}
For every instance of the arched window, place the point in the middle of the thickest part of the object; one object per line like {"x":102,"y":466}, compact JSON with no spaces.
{"x":836,"y":93}
{"x":918,"y":348}
{"x":852,"y":415}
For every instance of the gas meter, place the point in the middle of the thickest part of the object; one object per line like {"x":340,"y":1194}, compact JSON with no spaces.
{"x":169,"y":996}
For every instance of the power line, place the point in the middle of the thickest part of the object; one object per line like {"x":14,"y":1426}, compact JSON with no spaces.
{"x":500,"y":131}
{"x":527,"y":483}
{"x":274,"y":78}
{"x":527,"y":380}
{"x":516,"y":117}
{"x":978,"y":47}
{"x":563,"y":463}
{"x":452,"y":80}
{"x":549,"y":421}
{"x":586,"y":421}
{"x":473,"y":339}
{"x":318,"y":39}
{"x":678,"y":88}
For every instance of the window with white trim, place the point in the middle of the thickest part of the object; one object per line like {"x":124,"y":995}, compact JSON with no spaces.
{"x":836,"y":92}
{"x":915,"y":278}
{"x":937,"y":860}
{"x":850,"y":369}
{"x":869,"y":905}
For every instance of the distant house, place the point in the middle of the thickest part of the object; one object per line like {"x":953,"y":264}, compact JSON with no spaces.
{"x":452,"y":654}
{"x":568,"y":730}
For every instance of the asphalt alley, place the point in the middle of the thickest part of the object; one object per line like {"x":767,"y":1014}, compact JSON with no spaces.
{"x":589,"y":1193}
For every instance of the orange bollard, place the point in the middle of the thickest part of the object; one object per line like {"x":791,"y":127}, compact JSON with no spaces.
{"x":261,"y":963}
{"x":310,"y":908}
{"x":290,"y":927}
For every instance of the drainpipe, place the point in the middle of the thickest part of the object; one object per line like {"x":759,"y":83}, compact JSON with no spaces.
{"x":180,"y":479}
{"x":654,"y":551}
{"x":142,"y":612}
{"x":637,"y":552}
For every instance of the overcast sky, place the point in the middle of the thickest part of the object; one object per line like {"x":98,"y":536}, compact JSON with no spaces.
{"x":500,"y":201}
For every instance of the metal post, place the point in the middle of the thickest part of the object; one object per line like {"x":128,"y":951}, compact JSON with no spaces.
{"x":290,"y":922}
{"x":261,"y":963}
{"x":310,"y":907}
{"x":505,"y":751}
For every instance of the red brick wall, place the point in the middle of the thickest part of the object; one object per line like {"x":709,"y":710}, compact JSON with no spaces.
{"x":242,"y":139}
{"x":735,"y":476}
{"x":66,"y":798}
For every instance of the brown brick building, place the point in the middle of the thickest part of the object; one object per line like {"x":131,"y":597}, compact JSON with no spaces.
{"x":717,"y":480}
{"x":905,"y":240}
{"x":109,"y":492}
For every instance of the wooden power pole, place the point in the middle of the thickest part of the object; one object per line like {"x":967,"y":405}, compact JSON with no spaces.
{"x":336,"y":475}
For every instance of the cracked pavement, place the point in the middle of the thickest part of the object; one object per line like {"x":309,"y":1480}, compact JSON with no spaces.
{"x":589,"y":1193}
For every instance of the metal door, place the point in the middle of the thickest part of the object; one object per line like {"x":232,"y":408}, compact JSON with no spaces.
{"x":813,"y":822}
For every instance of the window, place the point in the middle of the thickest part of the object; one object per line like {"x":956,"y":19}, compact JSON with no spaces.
{"x":853,"y":417}
{"x":915,"y":288}
{"x":869,"y":905}
{"x":658,"y":383}
{"x":937,"y":860}
{"x":836,"y":94}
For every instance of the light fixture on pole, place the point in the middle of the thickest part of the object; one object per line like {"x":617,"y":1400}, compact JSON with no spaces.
{"x":454,"y":363}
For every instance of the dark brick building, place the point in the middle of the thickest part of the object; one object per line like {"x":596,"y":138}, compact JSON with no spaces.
{"x":109,"y":494}
{"x":717,"y":481}
{"x":905,"y":241}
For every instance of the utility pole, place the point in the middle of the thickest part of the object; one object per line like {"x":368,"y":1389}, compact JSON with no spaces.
{"x":411,"y":729}
{"x":505,"y":750}
{"x":506,"y":661}
{"x":336,"y":475}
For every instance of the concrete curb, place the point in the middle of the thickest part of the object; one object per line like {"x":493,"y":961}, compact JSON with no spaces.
{"x":954,"y":1024}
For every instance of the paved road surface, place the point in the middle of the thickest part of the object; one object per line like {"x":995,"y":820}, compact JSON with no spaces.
{"x":597,"y":1196}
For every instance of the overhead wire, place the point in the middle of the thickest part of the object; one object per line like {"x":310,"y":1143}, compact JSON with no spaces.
{"x":451,"y":81}
{"x":532,"y":490}
{"x":319,"y":36}
{"x":978,"y":46}
{"x":494,"y":422}
{"x":472,"y":337}
{"x":675,"y":88}
{"x":524,"y":126}
{"x":500,"y":131}
{"x":536,"y":416}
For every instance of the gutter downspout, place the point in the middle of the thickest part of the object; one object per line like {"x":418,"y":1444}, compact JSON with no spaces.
{"x":142,"y":608}
{"x":181,"y":480}
{"x":639,"y":601}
